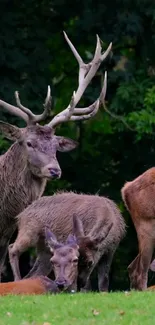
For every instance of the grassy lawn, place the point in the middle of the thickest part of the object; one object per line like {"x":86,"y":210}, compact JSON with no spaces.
{"x":83,"y":309}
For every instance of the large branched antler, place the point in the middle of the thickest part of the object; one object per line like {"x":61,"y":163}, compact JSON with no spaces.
{"x":72,"y":113}
{"x":25,"y":113}
{"x":86,"y":74}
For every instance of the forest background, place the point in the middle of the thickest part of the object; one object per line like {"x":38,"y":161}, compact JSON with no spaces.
{"x":114,"y":147}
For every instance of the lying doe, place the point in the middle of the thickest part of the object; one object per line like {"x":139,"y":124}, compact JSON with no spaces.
{"x":92,"y":215}
{"x":36,"y":286}
{"x":31,"y":160}
{"x":138,"y":196}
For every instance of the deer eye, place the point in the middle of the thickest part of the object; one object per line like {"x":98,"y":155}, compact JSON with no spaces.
{"x":29,"y":144}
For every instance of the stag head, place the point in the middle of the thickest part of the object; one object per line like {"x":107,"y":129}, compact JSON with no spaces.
{"x":40,"y":142}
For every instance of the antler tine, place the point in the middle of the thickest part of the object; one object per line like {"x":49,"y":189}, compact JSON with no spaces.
{"x":98,"y":49}
{"x":98,"y":58}
{"x":47,"y":104}
{"x":76,"y":54}
{"x":105,"y":54}
{"x":83,"y":68}
{"x":87,"y":112}
{"x":14,"y":110}
{"x":65,"y":115}
{"x":95,"y":108}
{"x":32,"y":118}
{"x":90,"y":108}
{"x":23,"y":108}
{"x":86,"y":74}
{"x":24,"y":112}
{"x":84,"y":110}
{"x":104,"y":89}
{"x":47,"y":107}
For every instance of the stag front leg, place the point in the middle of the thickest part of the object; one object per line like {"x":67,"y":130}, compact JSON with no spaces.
{"x":138,"y":269}
{"x":3,"y":253}
{"x":4,"y":243}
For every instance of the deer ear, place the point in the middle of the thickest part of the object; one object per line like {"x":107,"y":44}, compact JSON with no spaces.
{"x":101,"y":236}
{"x":66,"y":144}
{"x":71,"y":240}
{"x":77,"y":226}
{"x":10,"y":131}
{"x":51,"y":240}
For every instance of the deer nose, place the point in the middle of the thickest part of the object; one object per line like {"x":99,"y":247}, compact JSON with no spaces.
{"x":55,"y":173}
{"x":61,"y":284}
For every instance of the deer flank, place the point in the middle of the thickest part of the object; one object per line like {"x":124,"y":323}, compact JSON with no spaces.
{"x":138,"y":196}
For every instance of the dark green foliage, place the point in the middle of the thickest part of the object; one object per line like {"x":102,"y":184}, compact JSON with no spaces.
{"x":112,"y":150}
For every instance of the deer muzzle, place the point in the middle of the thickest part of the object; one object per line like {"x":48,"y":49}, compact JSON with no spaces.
{"x":61,"y":284}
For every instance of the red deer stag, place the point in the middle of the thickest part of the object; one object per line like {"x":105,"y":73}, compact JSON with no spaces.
{"x":94,"y":215}
{"x":31,"y":160}
{"x":138,"y":196}
{"x":36,"y":286}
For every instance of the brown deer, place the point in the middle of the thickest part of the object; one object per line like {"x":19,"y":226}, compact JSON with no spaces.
{"x":95,"y":214}
{"x":31,"y":160}
{"x":36,"y":286}
{"x":138,"y":196}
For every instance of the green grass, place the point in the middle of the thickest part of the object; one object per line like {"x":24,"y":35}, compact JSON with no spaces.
{"x":79,"y":309}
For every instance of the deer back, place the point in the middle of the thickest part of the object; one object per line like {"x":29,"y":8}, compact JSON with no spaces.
{"x":138,"y":195}
{"x":56,"y":212}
